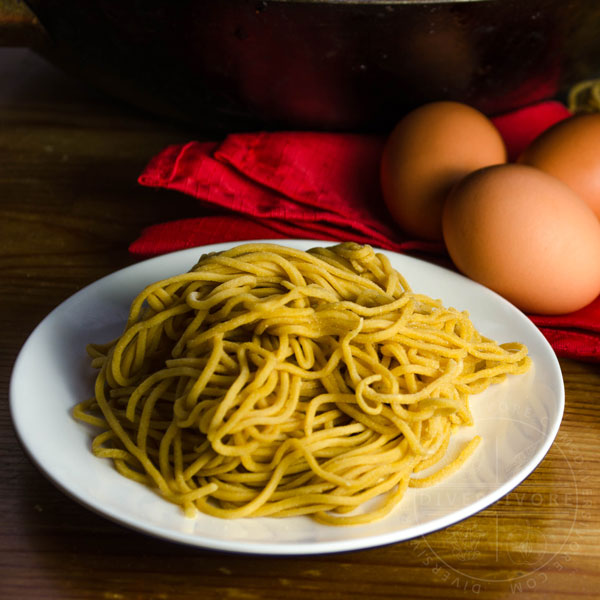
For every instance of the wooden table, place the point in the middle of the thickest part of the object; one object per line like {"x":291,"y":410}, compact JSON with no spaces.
{"x":69,"y":206}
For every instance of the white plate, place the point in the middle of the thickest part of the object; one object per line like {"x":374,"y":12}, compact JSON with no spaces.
{"x":517,"y":420}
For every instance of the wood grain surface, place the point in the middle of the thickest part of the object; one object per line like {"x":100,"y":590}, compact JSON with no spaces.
{"x":69,"y":207}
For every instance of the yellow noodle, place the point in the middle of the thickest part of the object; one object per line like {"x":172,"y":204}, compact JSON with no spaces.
{"x":584,"y":97}
{"x":269,"y":381}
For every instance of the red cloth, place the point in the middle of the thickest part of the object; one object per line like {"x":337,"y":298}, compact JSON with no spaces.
{"x":321,"y":186}
{"x":299,"y":184}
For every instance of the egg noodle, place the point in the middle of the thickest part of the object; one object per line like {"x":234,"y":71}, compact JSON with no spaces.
{"x":270,"y":381}
{"x":584,"y":97}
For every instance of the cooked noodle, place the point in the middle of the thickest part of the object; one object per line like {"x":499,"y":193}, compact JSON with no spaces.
{"x":584,"y":97}
{"x":269,"y":381}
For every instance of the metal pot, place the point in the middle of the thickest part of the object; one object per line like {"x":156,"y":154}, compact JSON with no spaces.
{"x":320,"y":64}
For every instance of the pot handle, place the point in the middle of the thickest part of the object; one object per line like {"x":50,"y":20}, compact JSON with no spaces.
{"x":19,"y":26}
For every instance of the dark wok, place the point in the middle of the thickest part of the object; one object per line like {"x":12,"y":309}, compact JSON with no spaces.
{"x":323,"y":64}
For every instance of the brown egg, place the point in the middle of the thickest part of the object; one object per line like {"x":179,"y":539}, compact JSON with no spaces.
{"x":570,"y":150}
{"x":429,"y":150}
{"x":525,"y":235}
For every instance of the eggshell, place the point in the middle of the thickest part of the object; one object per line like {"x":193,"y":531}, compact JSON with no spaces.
{"x":429,"y":150}
{"x":570,"y":150}
{"x":526,"y":235}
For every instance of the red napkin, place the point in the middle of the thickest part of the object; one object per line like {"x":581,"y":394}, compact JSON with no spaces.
{"x":283,"y":184}
{"x":321,"y":186}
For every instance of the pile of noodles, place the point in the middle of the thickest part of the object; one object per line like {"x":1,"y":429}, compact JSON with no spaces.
{"x":269,"y":381}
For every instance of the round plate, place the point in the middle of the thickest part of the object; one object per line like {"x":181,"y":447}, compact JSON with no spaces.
{"x":517,"y":420}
